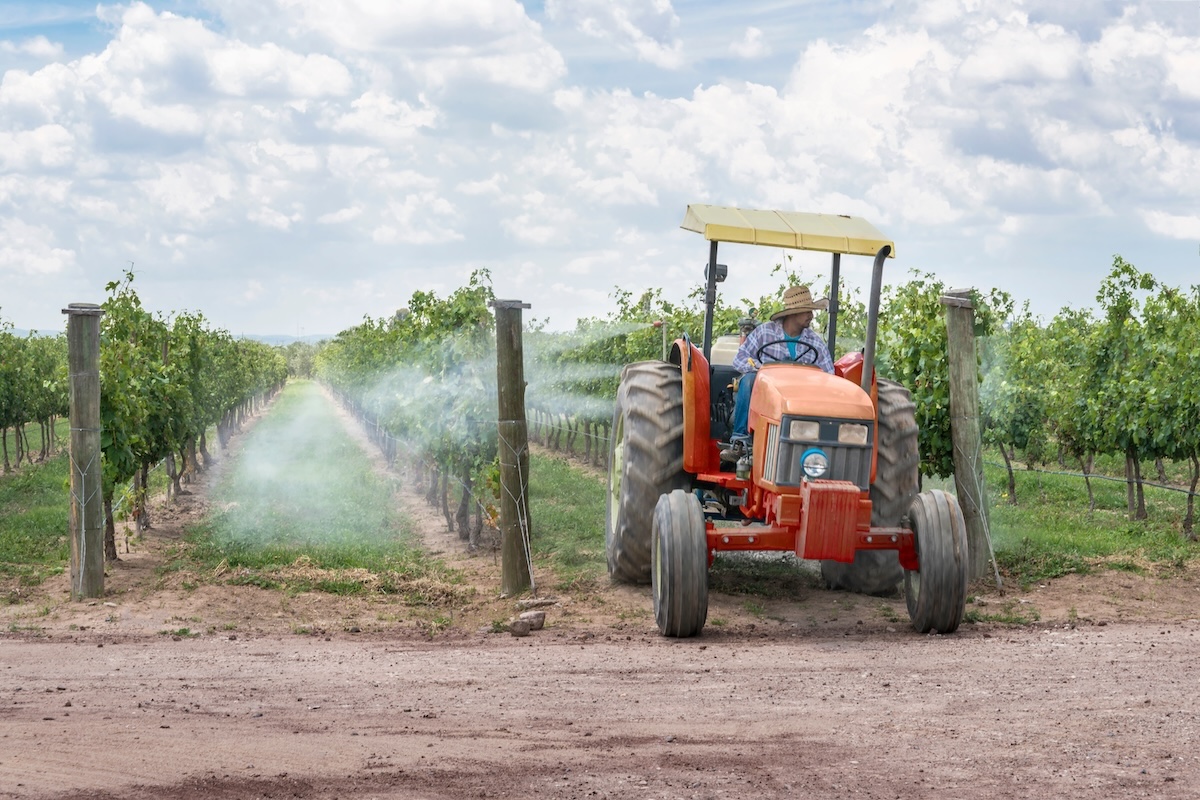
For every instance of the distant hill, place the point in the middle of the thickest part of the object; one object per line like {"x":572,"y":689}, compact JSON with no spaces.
{"x":277,"y":340}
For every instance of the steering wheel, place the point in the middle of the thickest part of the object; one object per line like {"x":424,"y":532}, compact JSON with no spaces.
{"x":758,"y":356}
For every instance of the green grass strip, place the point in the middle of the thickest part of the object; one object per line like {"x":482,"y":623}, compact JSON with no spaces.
{"x":303,"y":507}
{"x":566,"y":508}
{"x":34,"y":521}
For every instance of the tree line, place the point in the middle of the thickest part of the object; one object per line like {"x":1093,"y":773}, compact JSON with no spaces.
{"x":164,"y":381}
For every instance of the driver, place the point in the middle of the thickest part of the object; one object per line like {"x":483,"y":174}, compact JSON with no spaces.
{"x":786,"y":337}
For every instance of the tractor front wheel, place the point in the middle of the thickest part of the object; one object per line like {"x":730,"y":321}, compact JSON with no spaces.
{"x":645,"y":461}
{"x":679,"y":570}
{"x":937,"y":593}
{"x":896,"y":477}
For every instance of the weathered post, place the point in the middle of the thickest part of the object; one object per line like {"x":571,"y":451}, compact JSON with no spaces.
{"x":87,"y":498}
{"x":515,"y":574}
{"x":964,"y":425}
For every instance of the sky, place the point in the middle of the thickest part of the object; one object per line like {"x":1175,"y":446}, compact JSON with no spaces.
{"x":292,"y":166}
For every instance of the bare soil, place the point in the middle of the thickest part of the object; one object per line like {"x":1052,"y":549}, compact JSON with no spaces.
{"x":178,"y":686}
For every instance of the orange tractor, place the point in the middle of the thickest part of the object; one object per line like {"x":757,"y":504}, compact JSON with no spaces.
{"x":832,"y":473}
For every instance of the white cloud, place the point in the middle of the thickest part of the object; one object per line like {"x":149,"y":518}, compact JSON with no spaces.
{"x":45,"y":146}
{"x":439,"y":41}
{"x":281,"y":131}
{"x":589,"y":264}
{"x":751,"y":45}
{"x":419,"y":218}
{"x":646,"y":28}
{"x":243,"y":71}
{"x":30,"y":249}
{"x":382,"y":118}
{"x":270,"y":218}
{"x":488,"y":186}
{"x":1175,"y":226}
{"x":542,"y":220}
{"x":1020,"y":52}
{"x":340,"y":216}
{"x":189,"y":193}
{"x":37,"y":46}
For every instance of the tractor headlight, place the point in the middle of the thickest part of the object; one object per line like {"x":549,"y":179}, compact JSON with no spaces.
{"x":814,"y":463}
{"x":849,"y":433}
{"x":804,"y":430}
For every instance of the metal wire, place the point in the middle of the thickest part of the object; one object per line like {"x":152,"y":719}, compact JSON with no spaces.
{"x":82,"y":499}
{"x":1097,"y":476}
{"x":523,"y":480}
{"x":975,"y":487}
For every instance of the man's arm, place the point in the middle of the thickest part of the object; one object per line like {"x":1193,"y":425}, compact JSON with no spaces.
{"x":824,"y":360}
{"x":744,"y":361}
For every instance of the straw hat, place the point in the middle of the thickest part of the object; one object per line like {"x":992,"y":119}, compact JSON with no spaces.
{"x":797,"y":299}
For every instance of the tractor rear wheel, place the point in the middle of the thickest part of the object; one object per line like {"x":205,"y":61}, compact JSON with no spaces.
{"x":936,"y":594}
{"x":679,"y":572}
{"x":645,"y":461}
{"x":896,"y":477}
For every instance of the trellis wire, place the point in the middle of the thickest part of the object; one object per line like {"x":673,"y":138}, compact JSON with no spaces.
{"x":1095,"y":476}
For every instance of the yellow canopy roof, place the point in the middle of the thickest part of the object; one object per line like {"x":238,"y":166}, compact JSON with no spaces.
{"x":829,"y":233}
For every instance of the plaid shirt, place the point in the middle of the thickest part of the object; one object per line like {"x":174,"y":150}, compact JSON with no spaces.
{"x":773,"y":332}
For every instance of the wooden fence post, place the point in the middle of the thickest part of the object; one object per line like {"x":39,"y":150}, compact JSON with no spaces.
{"x":964,"y":426}
{"x":87,"y":497}
{"x":515,"y":573}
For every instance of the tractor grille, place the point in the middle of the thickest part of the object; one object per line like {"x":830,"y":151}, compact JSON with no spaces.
{"x":847,"y":462}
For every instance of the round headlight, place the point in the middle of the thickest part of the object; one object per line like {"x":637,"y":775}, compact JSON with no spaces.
{"x":814,"y":462}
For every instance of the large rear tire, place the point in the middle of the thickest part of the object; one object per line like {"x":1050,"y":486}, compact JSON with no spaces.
{"x":937,"y":594}
{"x":679,"y":565}
{"x":645,"y":461}
{"x":897,"y":473}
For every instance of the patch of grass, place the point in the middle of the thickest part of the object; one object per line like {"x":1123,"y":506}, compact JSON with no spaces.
{"x":34,"y":513}
{"x":340,"y":586}
{"x":302,"y":509}
{"x":182,"y":633}
{"x":250,"y":579}
{"x":1009,"y":613}
{"x":1050,"y":532}
{"x":566,"y":505}
{"x":888,"y":613}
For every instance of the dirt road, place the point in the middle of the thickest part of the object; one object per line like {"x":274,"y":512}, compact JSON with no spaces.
{"x":182,"y":686}
{"x":1108,"y":711}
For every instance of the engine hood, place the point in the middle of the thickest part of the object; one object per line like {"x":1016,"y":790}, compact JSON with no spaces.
{"x":793,"y":390}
